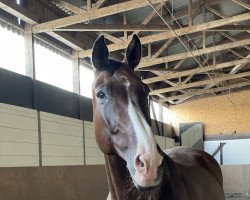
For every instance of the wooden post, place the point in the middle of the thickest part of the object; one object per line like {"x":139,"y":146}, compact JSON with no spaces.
{"x":76,"y":75}
{"x":125,"y":23}
{"x":190,"y":14}
{"x":89,"y":6}
{"x":29,"y":53}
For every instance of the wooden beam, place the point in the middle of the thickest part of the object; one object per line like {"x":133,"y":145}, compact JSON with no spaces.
{"x":149,"y":17}
{"x":190,"y":13}
{"x":163,"y":47}
{"x":205,"y":91}
{"x":89,"y":5}
{"x":245,"y":5}
{"x":68,"y":6}
{"x":114,"y":28}
{"x":232,"y":28}
{"x":234,"y":70}
{"x":90,"y":15}
{"x":199,"y":83}
{"x":20,"y":12}
{"x":219,"y":14}
{"x":196,"y":71}
{"x":138,"y":28}
{"x":77,"y":10}
{"x":146,"y":63}
{"x":231,"y":38}
{"x":238,"y":67}
{"x":98,"y":4}
{"x":179,"y":32}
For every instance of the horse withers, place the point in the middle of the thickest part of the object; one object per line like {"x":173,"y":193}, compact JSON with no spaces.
{"x":136,"y":167}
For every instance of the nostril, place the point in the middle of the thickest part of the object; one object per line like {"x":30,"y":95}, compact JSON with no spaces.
{"x":139,"y":163}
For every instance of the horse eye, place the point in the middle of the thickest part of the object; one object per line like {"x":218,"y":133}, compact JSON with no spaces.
{"x":101,"y":95}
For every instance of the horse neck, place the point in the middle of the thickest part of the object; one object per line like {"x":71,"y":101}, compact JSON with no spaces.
{"x":120,"y":184}
{"x":118,"y":177}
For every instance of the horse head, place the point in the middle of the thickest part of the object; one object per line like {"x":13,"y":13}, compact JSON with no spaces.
{"x":121,"y":114}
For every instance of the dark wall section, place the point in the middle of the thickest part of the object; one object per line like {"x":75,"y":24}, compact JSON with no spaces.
{"x":55,"y":100}
{"x":19,"y":90}
{"x":86,"y":108}
{"x":16,"y":89}
{"x":87,"y":182}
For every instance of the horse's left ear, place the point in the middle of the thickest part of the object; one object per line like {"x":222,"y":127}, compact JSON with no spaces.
{"x":133,"y":52}
{"x":100,"y":54}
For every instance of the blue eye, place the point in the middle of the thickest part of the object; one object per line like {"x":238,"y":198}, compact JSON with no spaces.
{"x":101,"y":95}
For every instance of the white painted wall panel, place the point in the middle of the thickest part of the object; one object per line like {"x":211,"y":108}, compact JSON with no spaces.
{"x":170,"y":143}
{"x":18,"y":136}
{"x":94,"y":156}
{"x":161,"y":141}
{"x":62,"y":140}
{"x":235,"y":152}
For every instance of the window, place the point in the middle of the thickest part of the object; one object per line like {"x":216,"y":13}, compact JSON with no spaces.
{"x":53,"y":69}
{"x":86,"y":80}
{"x":12,"y":55}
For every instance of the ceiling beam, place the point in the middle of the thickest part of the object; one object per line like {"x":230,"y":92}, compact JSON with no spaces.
{"x":68,"y":6}
{"x":245,"y":5}
{"x":77,"y":10}
{"x":196,"y":71}
{"x":22,"y":13}
{"x":206,"y":91}
{"x":149,"y":17}
{"x":199,"y":83}
{"x":139,"y":28}
{"x":162,"y":48}
{"x":179,"y":32}
{"x":98,"y":4}
{"x":216,"y":12}
{"x":198,"y":52}
{"x":231,"y":38}
{"x":18,"y":11}
{"x":90,"y":15}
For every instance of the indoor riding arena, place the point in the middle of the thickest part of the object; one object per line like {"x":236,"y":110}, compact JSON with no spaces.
{"x":124,"y":99}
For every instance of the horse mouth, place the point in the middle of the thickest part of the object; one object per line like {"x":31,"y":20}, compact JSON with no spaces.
{"x":154,"y":186}
{"x":144,"y":189}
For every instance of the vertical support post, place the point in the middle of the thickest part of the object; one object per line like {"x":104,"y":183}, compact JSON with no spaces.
{"x":125,"y":23}
{"x":29,"y":52}
{"x":149,"y":51}
{"x":89,"y":5}
{"x":221,"y":153}
{"x":40,"y":139}
{"x":76,"y":74}
{"x":214,"y":53}
{"x":190,"y":13}
{"x":160,"y":112}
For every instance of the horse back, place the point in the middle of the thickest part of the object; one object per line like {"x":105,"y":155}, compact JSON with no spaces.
{"x":187,"y":156}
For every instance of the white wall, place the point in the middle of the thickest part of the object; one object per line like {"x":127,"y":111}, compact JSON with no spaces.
{"x":93,"y":154}
{"x":235,"y":152}
{"x":18,"y":136}
{"x":64,"y":141}
{"x":164,"y":142}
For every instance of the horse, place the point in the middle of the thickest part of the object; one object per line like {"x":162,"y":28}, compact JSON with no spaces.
{"x":136,"y":167}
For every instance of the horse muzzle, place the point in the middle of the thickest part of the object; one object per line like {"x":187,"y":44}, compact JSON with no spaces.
{"x":148,"y":175}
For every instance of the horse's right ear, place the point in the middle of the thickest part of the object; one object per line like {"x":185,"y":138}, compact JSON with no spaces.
{"x":100,"y":54}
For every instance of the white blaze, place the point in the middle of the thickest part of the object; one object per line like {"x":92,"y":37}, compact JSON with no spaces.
{"x":144,"y":135}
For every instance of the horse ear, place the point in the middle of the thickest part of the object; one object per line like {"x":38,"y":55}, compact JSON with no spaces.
{"x":100,"y":54}
{"x":133,"y":52}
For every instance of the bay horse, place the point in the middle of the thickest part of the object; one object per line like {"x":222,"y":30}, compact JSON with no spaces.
{"x":136,"y":167}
